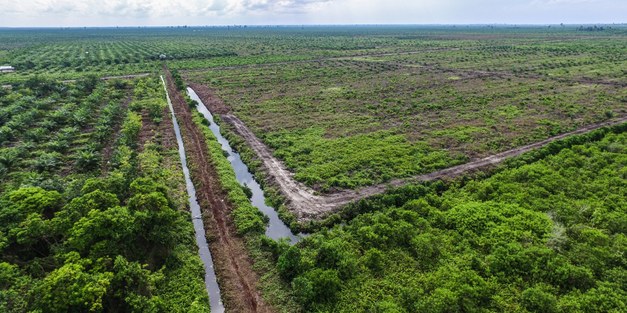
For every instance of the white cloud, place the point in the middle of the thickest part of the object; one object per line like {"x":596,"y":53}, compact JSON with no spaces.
{"x":206,"y":12}
{"x":143,"y":8}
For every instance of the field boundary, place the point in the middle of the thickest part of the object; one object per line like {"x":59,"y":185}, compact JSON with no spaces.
{"x":234,"y":269}
{"x":306,"y":204}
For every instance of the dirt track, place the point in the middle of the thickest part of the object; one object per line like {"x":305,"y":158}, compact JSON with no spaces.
{"x":108,"y":149}
{"x":236,"y":277}
{"x":307,"y":205}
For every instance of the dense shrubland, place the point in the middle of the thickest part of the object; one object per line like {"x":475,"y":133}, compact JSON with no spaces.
{"x":547,"y":236}
{"x":76,"y":239}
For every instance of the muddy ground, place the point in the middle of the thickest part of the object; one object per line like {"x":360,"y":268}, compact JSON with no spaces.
{"x":238,"y":282}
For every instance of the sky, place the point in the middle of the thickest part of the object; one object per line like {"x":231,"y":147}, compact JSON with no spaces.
{"x":54,"y":13}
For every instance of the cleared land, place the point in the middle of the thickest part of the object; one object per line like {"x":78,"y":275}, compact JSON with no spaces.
{"x":332,"y":130}
{"x":349,"y":122}
{"x":307,"y":204}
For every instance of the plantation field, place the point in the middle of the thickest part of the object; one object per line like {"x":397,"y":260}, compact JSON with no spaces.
{"x":72,"y":53}
{"x":347,"y":122}
{"x":92,"y":201}
{"x":94,"y":207}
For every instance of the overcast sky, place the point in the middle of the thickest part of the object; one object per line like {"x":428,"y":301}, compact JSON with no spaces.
{"x":225,"y":12}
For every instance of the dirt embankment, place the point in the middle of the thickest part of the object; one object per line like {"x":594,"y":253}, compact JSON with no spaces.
{"x":306,"y":204}
{"x":238,"y":281}
{"x":108,"y":149}
{"x":213,"y":102}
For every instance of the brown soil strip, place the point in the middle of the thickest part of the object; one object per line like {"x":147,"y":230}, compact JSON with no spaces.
{"x":307,"y":205}
{"x":168,"y":139}
{"x":238,"y":282}
{"x":148,"y":130}
{"x":108,"y":149}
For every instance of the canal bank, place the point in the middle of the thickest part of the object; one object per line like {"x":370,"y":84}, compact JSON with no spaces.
{"x":276,"y":228}
{"x":239,"y":283}
{"x":211,"y":282}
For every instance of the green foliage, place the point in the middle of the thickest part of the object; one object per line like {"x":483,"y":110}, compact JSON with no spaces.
{"x":87,"y":160}
{"x":352,"y":161}
{"x":536,"y":300}
{"x":130,"y":128}
{"x":73,"y":239}
{"x":316,"y":287}
{"x":178,"y":80}
{"x":534,"y":238}
{"x":73,"y":288}
{"x":247,"y":218}
{"x":14,"y":288}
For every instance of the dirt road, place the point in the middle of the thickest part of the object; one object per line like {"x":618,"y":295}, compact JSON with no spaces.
{"x":307,"y":205}
{"x":238,"y":281}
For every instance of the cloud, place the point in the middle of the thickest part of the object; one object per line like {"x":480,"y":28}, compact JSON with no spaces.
{"x":210,"y":12}
{"x":282,"y":6}
{"x":156,"y":8}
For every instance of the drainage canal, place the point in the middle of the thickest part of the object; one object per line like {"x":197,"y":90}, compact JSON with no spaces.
{"x":211,"y":282}
{"x":276,"y":228}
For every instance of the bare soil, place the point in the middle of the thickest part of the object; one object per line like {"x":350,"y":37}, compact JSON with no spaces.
{"x":238,"y":282}
{"x":108,"y":149}
{"x":166,"y":131}
{"x":148,"y":130}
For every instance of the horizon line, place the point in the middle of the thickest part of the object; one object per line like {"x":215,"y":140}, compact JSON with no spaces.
{"x":316,"y":25}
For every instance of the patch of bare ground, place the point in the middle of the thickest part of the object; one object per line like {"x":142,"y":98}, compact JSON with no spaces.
{"x":148,"y":131}
{"x":107,"y":151}
{"x":307,"y":204}
{"x":166,"y":131}
{"x":213,"y":103}
{"x":236,"y":277}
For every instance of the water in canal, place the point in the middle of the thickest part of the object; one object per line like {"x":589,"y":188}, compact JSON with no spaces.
{"x":276,"y":228}
{"x":211,"y":282}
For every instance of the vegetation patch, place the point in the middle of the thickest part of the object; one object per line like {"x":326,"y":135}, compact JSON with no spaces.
{"x":544,"y":236}
{"x":75,"y":239}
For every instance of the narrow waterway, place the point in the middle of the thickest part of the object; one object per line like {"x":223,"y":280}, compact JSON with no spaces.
{"x":211,"y":282}
{"x":276,"y":228}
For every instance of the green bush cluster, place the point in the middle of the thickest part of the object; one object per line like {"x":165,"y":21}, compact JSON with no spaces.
{"x":117,"y":242}
{"x":545,"y":236}
{"x":248,"y":219}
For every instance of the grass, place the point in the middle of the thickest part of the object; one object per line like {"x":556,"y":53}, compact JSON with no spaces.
{"x":333,"y":121}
